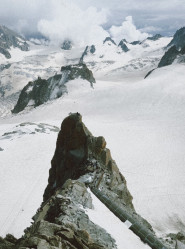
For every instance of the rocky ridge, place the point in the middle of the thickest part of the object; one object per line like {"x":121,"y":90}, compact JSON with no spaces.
{"x":123,"y":45}
{"x":80,"y":161}
{"x":37,"y":92}
{"x":178,"y":39}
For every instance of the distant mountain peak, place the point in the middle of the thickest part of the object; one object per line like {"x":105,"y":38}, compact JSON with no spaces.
{"x":155,"y":37}
{"x":123,"y":45}
{"x":8,"y":39}
{"x":178,"y":39}
{"x":109,"y":39}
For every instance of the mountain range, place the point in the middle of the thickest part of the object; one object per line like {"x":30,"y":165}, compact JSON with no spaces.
{"x":131,"y":93}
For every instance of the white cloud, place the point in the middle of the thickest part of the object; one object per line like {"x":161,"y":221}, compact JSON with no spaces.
{"x":70,"y":22}
{"x":151,"y":29}
{"x":127,"y":31}
{"x":24,"y":15}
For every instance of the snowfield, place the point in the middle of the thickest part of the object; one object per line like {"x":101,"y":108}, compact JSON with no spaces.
{"x":143,"y":122}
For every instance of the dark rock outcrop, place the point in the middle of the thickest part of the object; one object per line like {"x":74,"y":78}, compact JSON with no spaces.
{"x":123,"y":46}
{"x":169,"y":57}
{"x":80,"y":156}
{"x":84,"y":54}
{"x":8,"y":39}
{"x":149,"y":73}
{"x":178,"y":236}
{"x":92,"y":49}
{"x":8,"y":242}
{"x":178,"y":39}
{"x":155,"y":37}
{"x":40,"y":91}
{"x":4,"y":66}
{"x":109,"y":39}
{"x":67,"y":45}
{"x":89,"y":49}
{"x":135,"y":42}
{"x":5,"y":53}
{"x":78,"y":153}
{"x":80,"y":161}
{"x":62,"y":223}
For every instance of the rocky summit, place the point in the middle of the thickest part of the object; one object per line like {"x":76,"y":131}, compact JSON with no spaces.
{"x":80,"y":161}
{"x":123,"y":46}
{"x":178,"y":39}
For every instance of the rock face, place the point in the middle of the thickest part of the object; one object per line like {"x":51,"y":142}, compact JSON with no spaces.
{"x":8,"y":39}
{"x":169,"y":57}
{"x":80,"y":156}
{"x":61,"y":222}
{"x":40,"y":91}
{"x":67,"y":45}
{"x":109,"y":39}
{"x":178,"y":39}
{"x":8,"y":242}
{"x":92,"y":49}
{"x":123,"y":46}
{"x":89,"y":49}
{"x":155,"y":37}
{"x":5,"y":53}
{"x":175,"y":51}
{"x":78,"y":153}
{"x":135,"y":43}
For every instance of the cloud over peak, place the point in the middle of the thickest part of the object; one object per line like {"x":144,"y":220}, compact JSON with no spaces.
{"x":127,"y":31}
{"x":70,"y":22}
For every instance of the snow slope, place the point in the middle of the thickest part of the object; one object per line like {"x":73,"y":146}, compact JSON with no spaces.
{"x":143,"y":123}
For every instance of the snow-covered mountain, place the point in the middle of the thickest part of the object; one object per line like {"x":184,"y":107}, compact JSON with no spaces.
{"x":40,"y":91}
{"x":109,"y":60}
{"x":10,"y":39}
{"x":141,"y":119}
{"x":174,"y":52}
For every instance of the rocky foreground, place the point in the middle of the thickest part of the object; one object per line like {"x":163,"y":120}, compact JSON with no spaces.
{"x":81,"y":162}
